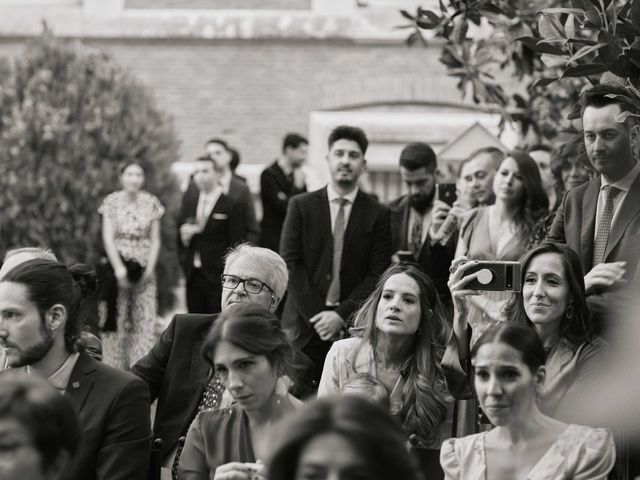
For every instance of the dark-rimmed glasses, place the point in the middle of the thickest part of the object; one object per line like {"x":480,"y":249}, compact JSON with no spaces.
{"x":251,"y":285}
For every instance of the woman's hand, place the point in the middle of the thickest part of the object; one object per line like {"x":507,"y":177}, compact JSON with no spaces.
{"x":457,"y":284}
{"x":121,"y":277}
{"x":239,"y":471}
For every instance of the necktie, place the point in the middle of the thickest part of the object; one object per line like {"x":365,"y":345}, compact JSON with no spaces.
{"x":201,"y":214}
{"x":333,"y":295}
{"x":416,"y":236}
{"x":599,"y":246}
{"x":210,"y":400}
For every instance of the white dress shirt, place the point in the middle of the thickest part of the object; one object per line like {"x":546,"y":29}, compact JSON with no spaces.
{"x":334,"y":206}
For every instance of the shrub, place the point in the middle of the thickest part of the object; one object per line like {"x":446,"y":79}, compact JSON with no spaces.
{"x":69,"y":115}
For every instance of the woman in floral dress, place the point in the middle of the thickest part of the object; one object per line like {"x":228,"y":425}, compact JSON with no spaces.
{"x":131,"y":232}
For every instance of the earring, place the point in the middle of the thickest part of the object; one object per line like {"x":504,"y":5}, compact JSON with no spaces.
{"x":570,"y":311}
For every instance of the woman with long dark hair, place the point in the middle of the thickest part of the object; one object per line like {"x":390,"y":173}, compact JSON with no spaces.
{"x":553,"y":302}
{"x":399,"y":336}
{"x":501,"y":231}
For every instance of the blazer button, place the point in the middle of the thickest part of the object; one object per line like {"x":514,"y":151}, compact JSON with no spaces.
{"x":328,"y":276}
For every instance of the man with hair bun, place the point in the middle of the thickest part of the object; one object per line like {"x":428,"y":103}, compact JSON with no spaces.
{"x":42,"y":307}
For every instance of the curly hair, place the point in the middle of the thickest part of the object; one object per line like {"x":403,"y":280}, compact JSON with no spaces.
{"x":576,"y":329}
{"x":424,"y":394}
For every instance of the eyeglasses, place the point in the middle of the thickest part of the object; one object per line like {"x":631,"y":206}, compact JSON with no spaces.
{"x":251,"y":285}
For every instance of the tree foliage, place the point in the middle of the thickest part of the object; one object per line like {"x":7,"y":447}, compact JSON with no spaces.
{"x":69,"y":116}
{"x":554,"y":47}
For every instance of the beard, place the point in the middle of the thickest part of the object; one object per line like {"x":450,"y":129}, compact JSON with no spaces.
{"x":35,"y":352}
{"x":421,"y":202}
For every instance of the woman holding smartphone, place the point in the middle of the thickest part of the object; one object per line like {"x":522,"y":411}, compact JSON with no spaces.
{"x":553,"y":302}
{"x":501,"y":231}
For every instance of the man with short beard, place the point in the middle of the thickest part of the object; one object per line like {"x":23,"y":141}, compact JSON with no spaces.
{"x":415,"y":221}
{"x":336,"y":242}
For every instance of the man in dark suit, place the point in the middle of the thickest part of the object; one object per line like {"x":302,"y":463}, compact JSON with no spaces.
{"x":174,"y":370}
{"x":112,"y":405}
{"x":336,"y":242}
{"x":283,"y":179}
{"x":209,"y":223}
{"x":601,"y":219}
{"x":234,"y":186}
{"x":417,"y":217}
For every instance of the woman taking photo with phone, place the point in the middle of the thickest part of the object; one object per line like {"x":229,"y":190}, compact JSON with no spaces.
{"x":249,"y":352}
{"x":501,"y":231}
{"x":509,"y":374}
{"x":553,"y":302}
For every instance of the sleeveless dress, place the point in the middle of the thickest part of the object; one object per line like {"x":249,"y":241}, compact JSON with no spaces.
{"x":137,"y":307}
{"x":476,"y":237}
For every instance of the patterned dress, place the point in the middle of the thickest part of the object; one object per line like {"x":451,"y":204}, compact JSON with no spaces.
{"x":136,"y":307}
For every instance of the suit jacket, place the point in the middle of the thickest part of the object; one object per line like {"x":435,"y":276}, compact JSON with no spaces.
{"x":176,"y":375}
{"x":239,"y":191}
{"x":574,"y":225}
{"x":435,"y":260}
{"x":224,"y":228}
{"x":275,"y":192}
{"x":113,"y":409}
{"x":307,"y":248}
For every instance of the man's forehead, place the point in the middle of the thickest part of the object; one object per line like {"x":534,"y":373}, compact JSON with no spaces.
{"x":248,"y":267}
{"x":594,"y":117}
{"x":346,"y":145}
{"x":482,"y":162}
{"x":417,"y":174}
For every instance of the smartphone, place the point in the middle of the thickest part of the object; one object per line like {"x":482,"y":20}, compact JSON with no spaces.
{"x":447,"y":193}
{"x":496,"y":276}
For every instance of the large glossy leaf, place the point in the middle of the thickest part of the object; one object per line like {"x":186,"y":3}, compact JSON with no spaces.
{"x":572,"y":11}
{"x":585,"y":70}
{"x":543,"y":82}
{"x":584,"y":51}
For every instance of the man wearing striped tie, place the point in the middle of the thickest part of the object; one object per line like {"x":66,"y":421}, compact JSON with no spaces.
{"x":336,"y":242}
{"x":601,"y":219}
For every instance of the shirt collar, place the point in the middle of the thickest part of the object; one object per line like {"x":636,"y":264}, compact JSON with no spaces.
{"x":60,"y":378}
{"x":333,"y":195}
{"x":225,"y":181}
{"x":286,"y":169}
{"x":625,"y":182}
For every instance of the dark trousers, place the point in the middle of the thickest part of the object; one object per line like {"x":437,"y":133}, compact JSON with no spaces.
{"x":316,"y":350}
{"x":203,"y":295}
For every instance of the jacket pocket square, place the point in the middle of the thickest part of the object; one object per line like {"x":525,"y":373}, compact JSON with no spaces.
{"x":220,"y":216}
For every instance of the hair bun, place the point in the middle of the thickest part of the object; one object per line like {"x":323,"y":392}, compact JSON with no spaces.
{"x":86,"y":278}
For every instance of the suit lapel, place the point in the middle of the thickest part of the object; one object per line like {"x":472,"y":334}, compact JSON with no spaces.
{"x":325,"y":218}
{"x":220,"y":207}
{"x":589,"y":208}
{"x":404,"y":225}
{"x":80,"y":382}
{"x":628,"y":210}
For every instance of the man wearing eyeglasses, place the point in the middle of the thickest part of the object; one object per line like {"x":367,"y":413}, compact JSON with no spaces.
{"x":174,"y":370}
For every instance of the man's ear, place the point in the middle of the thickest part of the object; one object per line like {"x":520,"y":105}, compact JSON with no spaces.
{"x":634,"y":135}
{"x":55,"y":316}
